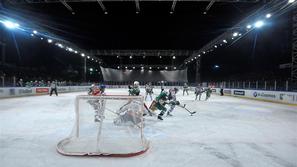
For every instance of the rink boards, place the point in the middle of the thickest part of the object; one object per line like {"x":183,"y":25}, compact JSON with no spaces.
{"x":271,"y":96}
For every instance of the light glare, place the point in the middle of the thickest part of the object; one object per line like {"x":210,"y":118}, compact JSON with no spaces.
{"x":259,"y":24}
{"x":10,"y":25}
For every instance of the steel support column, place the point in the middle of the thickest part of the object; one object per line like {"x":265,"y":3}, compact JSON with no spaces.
{"x":294,"y":47}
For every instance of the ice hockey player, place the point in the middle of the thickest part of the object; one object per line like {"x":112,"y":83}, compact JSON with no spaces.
{"x":134,"y":90}
{"x":159,"y":103}
{"x":91,"y":89}
{"x":172,"y":100}
{"x":222,"y":90}
{"x":162,"y":86}
{"x":53,"y":88}
{"x":186,"y":89}
{"x":198,"y":91}
{"x":208,"y":93}
{"x":102,"y":88}
{"x":148,"y":90}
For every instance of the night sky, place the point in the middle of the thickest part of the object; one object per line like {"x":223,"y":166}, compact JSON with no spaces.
{"x":259,"y":52}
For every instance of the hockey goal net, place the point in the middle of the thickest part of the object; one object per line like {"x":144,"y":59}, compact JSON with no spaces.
{"x":106,"y":126}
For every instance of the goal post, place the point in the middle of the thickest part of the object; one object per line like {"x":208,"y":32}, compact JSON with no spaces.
{"x":110,"y":125}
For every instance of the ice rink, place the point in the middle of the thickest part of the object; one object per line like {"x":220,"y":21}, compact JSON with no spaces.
{"x":225,"y":132}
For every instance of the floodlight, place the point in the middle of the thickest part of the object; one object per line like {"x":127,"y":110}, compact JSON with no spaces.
{"x":10,"y":25}
{"x":49,"y":40}
{"x":259,"y":24}
{"x":173,"y":57}
{"x":235,"y":34}
{"x":82,"y":55}
{"x":249,"y":26}
{"x":225,"y":41}
{"x":35,"y":32}
{"x":60,"y":45}
{"x":268,"y":15}
{"x":291,"y":1}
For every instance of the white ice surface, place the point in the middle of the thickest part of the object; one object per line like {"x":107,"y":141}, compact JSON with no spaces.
{"x":226,"y":131}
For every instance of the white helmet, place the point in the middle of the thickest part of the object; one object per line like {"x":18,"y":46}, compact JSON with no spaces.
{"x":136,"y":83}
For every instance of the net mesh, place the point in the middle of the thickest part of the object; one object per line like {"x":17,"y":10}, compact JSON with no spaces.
{"x":106,"y":126}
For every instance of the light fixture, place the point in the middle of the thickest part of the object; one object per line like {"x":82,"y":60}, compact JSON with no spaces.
{"x":204,"y":52}
{"x":88,"y":57}
{"x":174,"y":68}
{"x":160,"y":57}
{"x":173,"y":57}
{"x":216,"y":66}
{"x":249,"y":26}
{"x":195,"y":57}
{"x":199,"y":55}
{"x":291,"y":1}
{"x":75,"y":52}
{"x":225,"y":41}
{"x":259,"y":24}
{"x":35,"y":32}
{"x":130,"y":57}
{"x":126,"y":67}
{"x":150,"y":68}
{"x":49,"y":41}
{"x":32,"y":35}
{"x":268,"y":15}
{"x":166,"y":68}
{"x":235,"y":34}
{"x":91,"y":69}
{"x":41,"y":38}
{"x":82,"y":55}
{"x":133,"y":67}
{"x":105,"y":12}
{"x":70,"y":49}
{"x":216,"y":46}
{"x":118,"y":67}
{"x":10,"y":25}
{"x":60,"y":45}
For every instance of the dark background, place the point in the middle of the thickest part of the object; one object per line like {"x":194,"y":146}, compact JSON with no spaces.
{"x":256,"y":56}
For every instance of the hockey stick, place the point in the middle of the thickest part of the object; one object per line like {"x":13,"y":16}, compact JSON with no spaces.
{"x":184,"y":107}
